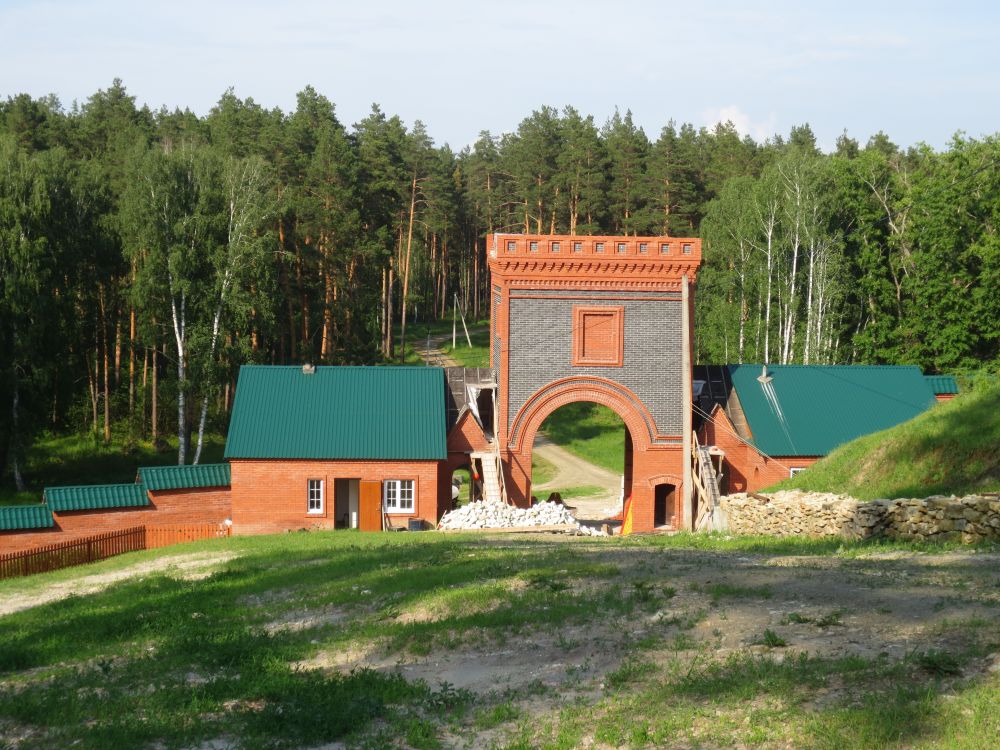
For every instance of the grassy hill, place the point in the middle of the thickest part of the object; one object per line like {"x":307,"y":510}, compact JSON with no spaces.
{"x":953,"y":448}
{"x":429,"y":641}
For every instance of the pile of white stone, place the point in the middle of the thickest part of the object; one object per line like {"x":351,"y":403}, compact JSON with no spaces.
{"x":495,"y":515}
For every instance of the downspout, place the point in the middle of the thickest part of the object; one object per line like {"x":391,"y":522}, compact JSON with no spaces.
{"x":688,"y":479}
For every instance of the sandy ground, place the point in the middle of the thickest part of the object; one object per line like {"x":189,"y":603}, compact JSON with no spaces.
{"x":876,"y":607}
{"x":573,"y":471}
{"x":190,"y":567}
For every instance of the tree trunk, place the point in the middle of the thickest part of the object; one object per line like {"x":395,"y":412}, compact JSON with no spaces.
{"x":15,"y":437}
{"x":92,"y":380}
{"x":406,"y":267}
{"x":106,"y":362}
{"x":154,"y":415}
{"x":131,"y":367}
{"x":118,"y":347}
{"x":475,"y":278}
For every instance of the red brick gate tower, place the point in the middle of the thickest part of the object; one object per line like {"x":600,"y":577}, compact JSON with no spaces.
{"x":601,"y":319}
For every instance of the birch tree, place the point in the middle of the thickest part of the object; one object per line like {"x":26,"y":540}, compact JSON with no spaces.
{"x":247,"y":204}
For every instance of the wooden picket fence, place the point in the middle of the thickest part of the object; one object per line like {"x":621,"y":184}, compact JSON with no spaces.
{"x":100,"y":546}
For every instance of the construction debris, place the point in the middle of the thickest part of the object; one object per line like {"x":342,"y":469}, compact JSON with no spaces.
{"x":495,"y":515}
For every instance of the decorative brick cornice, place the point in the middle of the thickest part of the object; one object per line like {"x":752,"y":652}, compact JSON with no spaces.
{"x":643,"y":263}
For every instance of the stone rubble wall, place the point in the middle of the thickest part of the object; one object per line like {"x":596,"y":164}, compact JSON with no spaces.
{"x":495,"y":515}
{"x":968,"y":519}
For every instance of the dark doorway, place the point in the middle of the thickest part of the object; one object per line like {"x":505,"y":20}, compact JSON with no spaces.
{"x":665,"y":505}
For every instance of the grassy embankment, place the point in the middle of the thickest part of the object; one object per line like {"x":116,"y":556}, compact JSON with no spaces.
{"x":625,"y":643}
{"x":953,"y":448}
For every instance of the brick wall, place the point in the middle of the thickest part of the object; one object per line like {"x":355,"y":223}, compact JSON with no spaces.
{"x":541,"y":350}
{"x":466,"y":436}
{"x":270,"y":496}
{"x":188,"y":506}
{"x":745,"y":469}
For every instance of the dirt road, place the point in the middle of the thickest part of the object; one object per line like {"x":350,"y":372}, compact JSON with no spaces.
{"x":571,"y":470}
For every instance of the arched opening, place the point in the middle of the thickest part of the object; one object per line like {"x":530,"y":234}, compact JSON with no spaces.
{"x":581,"y":456}
{"x":665,"y":506}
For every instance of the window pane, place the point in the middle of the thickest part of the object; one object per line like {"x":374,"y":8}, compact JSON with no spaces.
{"x":314,"y":503}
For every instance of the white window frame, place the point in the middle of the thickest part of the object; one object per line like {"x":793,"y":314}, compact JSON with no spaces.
{"x":392,"y":490}
{"x":320,"y":487}
{"x":793,"y":470}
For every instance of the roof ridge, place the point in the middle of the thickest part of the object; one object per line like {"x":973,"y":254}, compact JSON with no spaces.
{"x":89,"y":486}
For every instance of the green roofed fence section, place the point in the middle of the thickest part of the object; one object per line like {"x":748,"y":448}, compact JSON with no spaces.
{"x":942,"y":384}
{"x":96,"y":497}
{"x":373,"y":413}
{"x":808,"y":410}
{"x":184,"y":477}
{"x":18,"y":517}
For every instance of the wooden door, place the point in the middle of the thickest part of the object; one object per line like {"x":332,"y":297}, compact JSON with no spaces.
{"x":370,"y":506}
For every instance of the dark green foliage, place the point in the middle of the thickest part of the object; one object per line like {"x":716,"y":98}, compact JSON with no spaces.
{"x":875,"y":254}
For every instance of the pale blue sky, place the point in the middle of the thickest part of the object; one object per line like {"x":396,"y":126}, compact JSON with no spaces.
{"x":918,"y":70}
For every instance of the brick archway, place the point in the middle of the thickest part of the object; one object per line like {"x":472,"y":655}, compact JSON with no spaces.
{"x":573,"y":390}
{"x":598,"y":319}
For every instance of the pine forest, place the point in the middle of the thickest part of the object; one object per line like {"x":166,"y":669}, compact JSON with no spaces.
{"x":145,"y":255}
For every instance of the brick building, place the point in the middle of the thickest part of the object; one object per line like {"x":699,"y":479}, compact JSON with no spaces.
{"x":573,"y":318}
{"x":165,"y":495}
{"x":335,"y":447}
{"x":601,"y":319}
{"x":766,"y":424}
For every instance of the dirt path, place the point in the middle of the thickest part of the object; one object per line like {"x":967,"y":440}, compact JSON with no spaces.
{"x":431,"y":353}
{"x":573,"y":471}
{"x":190,"y":566}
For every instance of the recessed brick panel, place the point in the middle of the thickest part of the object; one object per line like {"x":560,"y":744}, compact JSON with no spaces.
{"x":597,"y":336}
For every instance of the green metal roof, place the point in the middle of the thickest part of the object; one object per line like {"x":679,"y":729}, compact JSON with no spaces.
{"x":184,"y":477}
{"x":16,"y":517}
{"x":941,"y":384}
{"x":338,"y":413}
{"x":808,"y":410}
{"x":96,"y":497}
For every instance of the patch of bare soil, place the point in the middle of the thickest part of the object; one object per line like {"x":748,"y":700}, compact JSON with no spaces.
{"x":827,"y":607}
{"x":191,"y":566}
{"x":562,"y":659}
{"x":305,"y":619}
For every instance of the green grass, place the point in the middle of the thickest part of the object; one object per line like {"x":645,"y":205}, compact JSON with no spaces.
{"x":167,"y":661}
{"x":478,"y":355}
{"x":591,"y":431}
{"x":542,"y":471}
{"x":84,"y":459}
{"x":953,"y":448}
